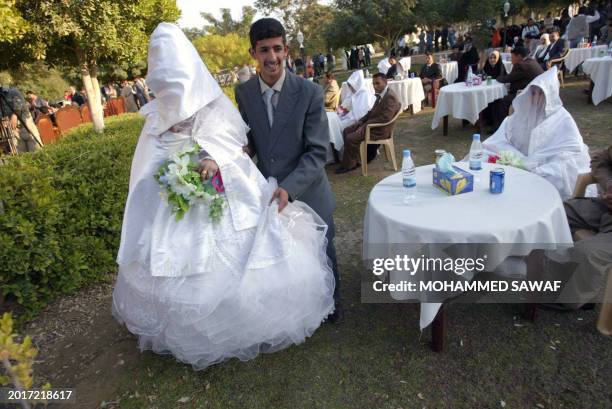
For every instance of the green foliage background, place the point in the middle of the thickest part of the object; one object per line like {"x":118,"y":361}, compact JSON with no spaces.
{"x":60,"y":213}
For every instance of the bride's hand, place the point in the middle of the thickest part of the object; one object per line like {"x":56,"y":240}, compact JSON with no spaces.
{"x":208,"y":168}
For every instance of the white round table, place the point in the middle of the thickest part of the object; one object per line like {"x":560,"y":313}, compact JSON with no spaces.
{"x":450,"y":71}
{"x":577,"y":56}
{"x":409,"y":91}
{"x":528,"y":215}
{"x":600,"y":71}
{"x":463,"y":102}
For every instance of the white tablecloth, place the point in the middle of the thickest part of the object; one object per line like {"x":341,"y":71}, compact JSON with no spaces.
{"x":335,"y":130}
{"x":600,"y":71}
{"x":450,"y":71}
{"x":577,"y":56}
{"x":529,"y":214}
{"x":506,"y":57}
{"x":463,"y":102}
{"x":409,"y":91}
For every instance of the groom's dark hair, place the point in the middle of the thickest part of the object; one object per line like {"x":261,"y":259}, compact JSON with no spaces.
{"x":266,"y":28}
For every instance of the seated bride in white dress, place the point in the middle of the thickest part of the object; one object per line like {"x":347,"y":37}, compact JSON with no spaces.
{"x":203,"y":288}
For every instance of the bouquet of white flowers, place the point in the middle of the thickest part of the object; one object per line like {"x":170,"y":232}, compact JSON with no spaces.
{"x":507,"y":158}
{"x":180,"y":178}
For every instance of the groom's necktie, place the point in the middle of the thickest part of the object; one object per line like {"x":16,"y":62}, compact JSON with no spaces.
{"x":268,"y":94}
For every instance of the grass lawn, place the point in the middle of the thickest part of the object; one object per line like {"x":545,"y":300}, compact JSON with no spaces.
{"x":377,"y":358}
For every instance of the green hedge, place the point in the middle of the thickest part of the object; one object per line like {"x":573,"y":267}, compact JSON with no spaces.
{"x":60,"y":213}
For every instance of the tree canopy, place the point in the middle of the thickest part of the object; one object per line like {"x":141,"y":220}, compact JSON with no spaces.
{"x":227,"y":24}
{"x":223,"y":51}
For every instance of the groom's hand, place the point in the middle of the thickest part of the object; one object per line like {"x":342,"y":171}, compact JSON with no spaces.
{"x":282,"y":196}
{"x":208,"y":168}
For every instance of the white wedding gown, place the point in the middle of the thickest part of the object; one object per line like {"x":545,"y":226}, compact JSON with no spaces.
{"x":224,"y":293}
{"x":256,"y":280}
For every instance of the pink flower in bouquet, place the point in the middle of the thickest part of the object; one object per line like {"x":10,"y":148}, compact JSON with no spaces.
{"x":217,"y":182}
{"x":493,"y":159}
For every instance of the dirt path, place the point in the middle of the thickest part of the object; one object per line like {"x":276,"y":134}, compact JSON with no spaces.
{"x":81,"y":346}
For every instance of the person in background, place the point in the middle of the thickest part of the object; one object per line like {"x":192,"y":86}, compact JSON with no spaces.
{"x":558,"y":46}
{"x":496,"y":38}
{"x":386,"y":106}
{"x":392,"y":71}
{"x":357,"y":103}
{"x":469,"y":59}
{"x":530,"y":30}
{"x":494,"y":66}
{"x":330,"y":61}
{"x":368,"y":55}
{"x":422,"y":41}
{"x":142,"y":92}
{"x":18,"y":120}
{"x":430,"y":72}
{"x":76,"y":97}
{"x":542,"y":48}
{"x":524,"y":70}
{"x":332,"y":92}
{"x":129,"y":95}
{"x":578,"y":27}
{"x":549,"y":22}
{"x":38,"y":106}
{"x":109,"y":91}
{"x":564,"y":20}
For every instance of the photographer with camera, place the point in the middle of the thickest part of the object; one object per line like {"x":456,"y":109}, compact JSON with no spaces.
{"x":19,"y":134}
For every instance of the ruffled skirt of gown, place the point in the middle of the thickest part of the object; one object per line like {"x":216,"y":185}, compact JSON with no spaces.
{"x":246,"y":292}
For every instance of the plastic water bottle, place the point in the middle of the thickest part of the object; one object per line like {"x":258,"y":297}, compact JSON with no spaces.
{"x":470,"y":77}
{"x":409,"y":177}
{"x":476,"y":153}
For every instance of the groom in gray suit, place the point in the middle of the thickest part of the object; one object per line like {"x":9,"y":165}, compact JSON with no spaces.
{"x":289,"y":131}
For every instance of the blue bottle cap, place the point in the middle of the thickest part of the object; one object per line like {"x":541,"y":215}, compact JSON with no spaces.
{"x":406,"y":152}
{"x":476,"y":137}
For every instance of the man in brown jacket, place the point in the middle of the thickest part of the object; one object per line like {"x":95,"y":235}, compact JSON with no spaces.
{"x":524,"y":70}
{"x":386,"y":106}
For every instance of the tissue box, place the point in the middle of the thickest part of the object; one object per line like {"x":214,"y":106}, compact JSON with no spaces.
{"x":453,"y":184}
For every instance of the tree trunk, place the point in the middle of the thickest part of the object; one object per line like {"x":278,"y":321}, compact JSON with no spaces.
{"x":90,"y":82}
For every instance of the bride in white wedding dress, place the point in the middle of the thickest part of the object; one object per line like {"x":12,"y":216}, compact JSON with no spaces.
{"x":204,"y":291}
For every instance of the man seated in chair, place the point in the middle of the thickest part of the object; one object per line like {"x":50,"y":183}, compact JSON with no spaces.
{"x":386,"y":106}
{"x":556,"y":49}
{"x":430,"y":72}
{"x":393,"y":70}
{"x":584,"y":269}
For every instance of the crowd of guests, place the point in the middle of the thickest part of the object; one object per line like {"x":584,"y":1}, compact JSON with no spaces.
{"x":21,"y":113}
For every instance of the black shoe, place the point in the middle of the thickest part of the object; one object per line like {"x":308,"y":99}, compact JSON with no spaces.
{"x":336,"y":317}
{"x":342,"y":170}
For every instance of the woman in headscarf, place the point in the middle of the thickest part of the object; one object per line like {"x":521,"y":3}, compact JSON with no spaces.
{"x":205,"y":290}
{"x":541,"y":48}
{"x":494,"y":67}
{"x":357,"y":101}
{"x":543,"y":135}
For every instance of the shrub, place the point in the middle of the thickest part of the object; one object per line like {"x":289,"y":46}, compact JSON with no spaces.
{"x":61,"y":210}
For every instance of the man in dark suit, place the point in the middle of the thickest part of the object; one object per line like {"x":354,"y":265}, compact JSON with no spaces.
{"x":392,"y":71}
{"x":557,"y":47}
{"x":289,"y":131}
{"x":430,"y":72}
{"x":524,"y":70}
{"x":387,"y":105}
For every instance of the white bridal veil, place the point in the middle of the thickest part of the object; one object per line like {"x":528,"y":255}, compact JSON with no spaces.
{"x":543,"y":134}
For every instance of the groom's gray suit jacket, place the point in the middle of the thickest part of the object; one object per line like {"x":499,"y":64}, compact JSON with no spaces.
{"x":294,"y":151}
